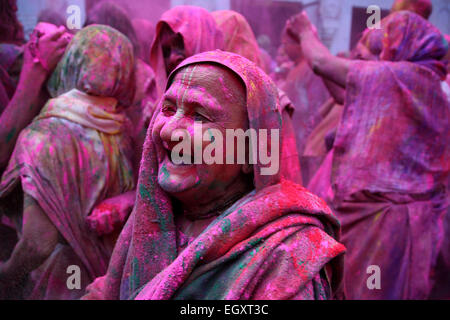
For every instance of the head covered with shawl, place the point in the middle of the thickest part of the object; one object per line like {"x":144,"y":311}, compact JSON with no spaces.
{"x":145,"y":33}
{"x":111,"y":14}
{"x":182,"y":31}
{"x":423,"y":8}
{"x":238,"y":35}
{"x":247,"y":236}
{"x":401,"y":124}
{"x":98,"y":61}
{"x":240,"y":39}
{"x":75,"y":153}
{"x":404,"y":36}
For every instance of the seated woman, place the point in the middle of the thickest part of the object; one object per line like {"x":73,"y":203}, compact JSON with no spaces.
{"x":220,"y":231}
{"x":389,"y":163}
{"x":73,"y":155}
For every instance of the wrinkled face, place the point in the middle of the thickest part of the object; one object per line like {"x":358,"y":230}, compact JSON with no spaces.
{"x":172,"y":47}
{"x":215,"y":97}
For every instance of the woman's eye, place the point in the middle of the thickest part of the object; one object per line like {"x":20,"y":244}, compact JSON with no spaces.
{"x":168,"y":110}
{"x":199,"y":117}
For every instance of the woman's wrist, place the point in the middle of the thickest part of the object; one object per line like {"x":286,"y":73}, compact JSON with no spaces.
{"x":34,"y":72}
{"x":32,"y":79}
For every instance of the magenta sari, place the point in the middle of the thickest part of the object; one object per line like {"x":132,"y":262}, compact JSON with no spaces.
{"x":389,"y":165}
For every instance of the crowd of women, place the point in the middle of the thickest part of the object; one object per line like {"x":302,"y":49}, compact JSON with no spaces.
{"x":88,"y":180}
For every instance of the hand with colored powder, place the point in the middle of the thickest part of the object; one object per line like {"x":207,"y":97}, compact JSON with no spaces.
{"x":47,"y":45}
{"x":111,"y":214}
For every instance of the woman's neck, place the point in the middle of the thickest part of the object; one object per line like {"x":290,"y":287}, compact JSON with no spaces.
{"x":196,"y":217}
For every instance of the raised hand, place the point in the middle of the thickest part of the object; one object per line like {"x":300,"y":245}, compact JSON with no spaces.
{"x":111,"y":214}
{"x":299,"y":24}
{"x":47,"y":45}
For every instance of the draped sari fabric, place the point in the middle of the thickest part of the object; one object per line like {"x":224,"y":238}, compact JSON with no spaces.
{"x":199,"y":32}
{"x":238,"y":35}
{"x":239,"y":39}
{"x":75,"y":154}
{"x":198,"y":29}
{"x":236,"y":257}
{"x":390,"y":160}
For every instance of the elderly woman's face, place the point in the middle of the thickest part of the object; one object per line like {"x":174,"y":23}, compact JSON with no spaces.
{"x":215,"y":97}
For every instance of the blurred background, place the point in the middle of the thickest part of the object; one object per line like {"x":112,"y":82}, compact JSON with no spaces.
{"x":339,"y":22}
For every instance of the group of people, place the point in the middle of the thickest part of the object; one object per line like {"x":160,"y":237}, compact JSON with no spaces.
{"x":88,"y":177}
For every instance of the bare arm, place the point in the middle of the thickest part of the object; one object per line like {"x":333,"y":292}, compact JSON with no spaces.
{"x":23,"y":107}
{"x":29,"y":96}
{"x":318,"y":56}
{"x":39,"y":238}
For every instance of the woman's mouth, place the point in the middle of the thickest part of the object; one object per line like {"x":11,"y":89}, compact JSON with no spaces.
{"x":180,"y":159}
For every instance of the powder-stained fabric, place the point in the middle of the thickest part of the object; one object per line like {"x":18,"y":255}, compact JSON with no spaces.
{"x":390,"y":160}
{"x":394,"y":103}
{"x":198,"y":29}
{"x":277,"y":242}
{"x":75,"y":154}
{"x":238,"y":35}
{"x":239,"y":39}
{"x":91,"y":68}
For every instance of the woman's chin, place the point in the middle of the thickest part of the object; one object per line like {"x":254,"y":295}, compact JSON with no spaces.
{"x":176,"y":179}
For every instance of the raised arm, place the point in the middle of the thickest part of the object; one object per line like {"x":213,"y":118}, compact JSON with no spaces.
{"x":318,"y":56}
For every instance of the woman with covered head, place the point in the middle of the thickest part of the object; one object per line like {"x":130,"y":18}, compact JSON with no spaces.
{"x":182,"y":31}
{"x":74,"y":154}
{"x":220,"y":231}
{"x":389,"y":164}
{"x":239,"y":39}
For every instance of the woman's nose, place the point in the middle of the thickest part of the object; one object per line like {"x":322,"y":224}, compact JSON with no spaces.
{"x":173,"y":128}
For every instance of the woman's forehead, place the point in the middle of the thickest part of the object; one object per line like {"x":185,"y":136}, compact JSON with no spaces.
{"x":209,"y":76}
{"x":209,"y":80}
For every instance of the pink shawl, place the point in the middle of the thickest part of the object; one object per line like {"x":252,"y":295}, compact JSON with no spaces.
{"x":199,"y":32}
{"x":394,"y":132}
{"x":238,"y":35}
